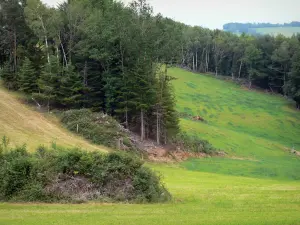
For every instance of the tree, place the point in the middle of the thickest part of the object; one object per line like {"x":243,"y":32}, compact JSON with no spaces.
{"x":37,"y":16}
{"x":71,"y":88}
{"x":49,"y":83}
{"x":252,"y":57}
{"x":219,"y":50}
{"x":281,"y":58}
{"x":292,"y":87}
{"x":28,"y":77}
{"x":167,"y":122}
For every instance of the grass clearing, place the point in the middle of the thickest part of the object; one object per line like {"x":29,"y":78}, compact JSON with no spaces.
{"x":286,"y":31}
{"x":243,"y":123}
{"x":23,"y":125}
{"x":261,"y":187}
{"x":199,"y":198}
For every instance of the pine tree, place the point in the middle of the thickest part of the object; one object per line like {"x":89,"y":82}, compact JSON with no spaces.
{"x":49,"y":83}
{"x":71,"y":88}
{"x":167,"y":122}
{"x":144,"y":92}
{"x":28,"y":77}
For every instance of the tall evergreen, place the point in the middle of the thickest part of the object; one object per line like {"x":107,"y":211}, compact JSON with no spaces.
{"x":28,"y":77}
{"x":49,"y":83}
{"x":70,"y":92}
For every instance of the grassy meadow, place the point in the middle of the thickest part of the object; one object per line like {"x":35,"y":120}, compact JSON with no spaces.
{"x":255,"y":129}
{"x":257,"y":183}
{"x":23,"y":125}
{"x":286,"y":31}
{"x":199,"y":198}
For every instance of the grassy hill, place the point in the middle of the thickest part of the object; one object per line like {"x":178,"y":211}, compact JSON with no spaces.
{"x":255,"y":129}
{"x":286,"y":31}
{"x":21,"y":125}
{"x":260,"y":129}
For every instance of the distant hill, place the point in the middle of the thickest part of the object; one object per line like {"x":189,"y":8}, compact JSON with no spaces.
{"x":287,"y":29}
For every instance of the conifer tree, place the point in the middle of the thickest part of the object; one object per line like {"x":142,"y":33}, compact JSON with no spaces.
{"x":28,"y":77}
{"x":49,"y":82}
{"x":71,"y":88}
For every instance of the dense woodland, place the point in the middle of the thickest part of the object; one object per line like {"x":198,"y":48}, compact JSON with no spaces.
{"x":103,"y":55}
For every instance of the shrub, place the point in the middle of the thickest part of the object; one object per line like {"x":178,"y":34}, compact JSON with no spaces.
{"x":97,"y":127}
{"x":193,"y":143}
{"x":58,"y":174}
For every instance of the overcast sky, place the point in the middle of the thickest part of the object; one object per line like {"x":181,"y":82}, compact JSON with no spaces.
{"x":214,"y":13}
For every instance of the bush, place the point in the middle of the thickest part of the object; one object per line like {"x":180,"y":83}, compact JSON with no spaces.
{"x":56,"y":174}
{"x":193,"y":144}
{"x":97,"y":127}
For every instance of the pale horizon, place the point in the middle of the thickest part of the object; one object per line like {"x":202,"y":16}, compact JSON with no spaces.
{"x":215,"y":13}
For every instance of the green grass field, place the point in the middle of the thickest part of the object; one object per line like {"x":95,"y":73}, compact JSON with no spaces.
{"x":199,"y":198}
{"x":260,"y":129}
{"x":286,"y":31}
{"x":23,"y":125}
{"x":258,"y":183}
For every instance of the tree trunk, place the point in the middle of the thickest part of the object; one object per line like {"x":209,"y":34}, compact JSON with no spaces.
{"x":57,"y":54}
{"x":196,"y":60}
{"x":48,"y":105}
{"x":250,"y":84}
{"x":193,"y":62}
{"x":64,"y":53}
{"x":47,"y":49}
{"x":216,"y":70}
{"x":126,"y":117}
{"x":157,"y":128}
{"x":241,"y":64}
{"x":15,"y":50}
{"x":142,"y":125}
{"x":182,"y":55}
{"x":85,"y":74}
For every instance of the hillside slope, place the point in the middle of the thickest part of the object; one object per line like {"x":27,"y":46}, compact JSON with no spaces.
{"x":257,"y":127}
{"x":23,"y":125}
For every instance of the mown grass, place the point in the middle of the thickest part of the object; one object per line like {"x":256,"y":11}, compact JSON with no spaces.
{"x":248,"y":124}
{"x":260,"y":187}
{"x":199,"y":198}
{"x":21,"y":125}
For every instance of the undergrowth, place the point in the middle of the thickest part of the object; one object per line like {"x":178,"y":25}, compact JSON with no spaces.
{"x":97,"y":127}
{"x":71,"y":175}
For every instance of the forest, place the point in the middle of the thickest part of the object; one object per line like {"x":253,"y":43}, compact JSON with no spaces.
{"x":110,"y":57}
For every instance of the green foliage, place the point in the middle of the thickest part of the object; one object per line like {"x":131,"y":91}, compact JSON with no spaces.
{"x":52,"y":175}
{"x":28,"y":77}
{"x":293,"y":85}
{"x":98,"y":127}
{"x":193,"y":143}
{"x":9,"y":77}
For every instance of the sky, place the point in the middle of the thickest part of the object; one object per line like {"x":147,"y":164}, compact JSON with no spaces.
{"x":214,"y":13}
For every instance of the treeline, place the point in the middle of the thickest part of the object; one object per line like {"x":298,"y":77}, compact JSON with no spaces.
{"x":246,"y":27}
{"x":95,"y":54}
